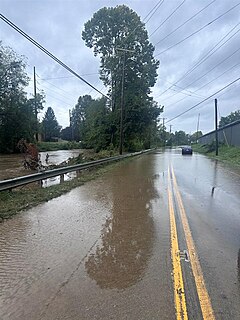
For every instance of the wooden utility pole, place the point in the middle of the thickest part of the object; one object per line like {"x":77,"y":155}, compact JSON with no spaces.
{"x":197,"y":127}
{"x":164,"y":136}
{"x":35,"y":100}
{"x":122,"y":104}
{"x":122,"y":97}
{"x":216,"y":127}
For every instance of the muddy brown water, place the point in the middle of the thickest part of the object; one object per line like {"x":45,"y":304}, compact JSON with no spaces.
{"x":102,"y":251}
{"x":11,"y":166}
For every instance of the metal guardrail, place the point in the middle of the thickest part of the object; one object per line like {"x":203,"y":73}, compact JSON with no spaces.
{"x":20,"y":181}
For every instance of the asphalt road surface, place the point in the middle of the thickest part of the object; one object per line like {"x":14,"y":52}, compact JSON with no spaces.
{"x":157,"y":237}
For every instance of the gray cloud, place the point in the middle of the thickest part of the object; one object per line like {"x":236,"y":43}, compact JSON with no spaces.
{"x":57,"y":25}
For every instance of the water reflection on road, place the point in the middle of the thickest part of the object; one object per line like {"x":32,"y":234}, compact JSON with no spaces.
{"x":102,"y":251}
{"x":121,"y":258}
{"x":106,"y":222}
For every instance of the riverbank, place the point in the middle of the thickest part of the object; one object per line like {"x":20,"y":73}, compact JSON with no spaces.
{"x":19,"y":199}
{"x":61,"y":145}
{"x":230,"y":155}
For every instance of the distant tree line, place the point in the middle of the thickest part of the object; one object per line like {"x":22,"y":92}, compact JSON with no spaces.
{"x":233,"y":116}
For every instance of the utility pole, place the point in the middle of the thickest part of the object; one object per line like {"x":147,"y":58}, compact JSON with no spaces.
{"x":122,"y":97}
{"x":164,"y":137}
{"x":170,"y":128}
{"x":70,"y":123}
{"x":35,"y":100}
{"x":122,"y":105}
{"x":197,"y":127}
{"x":216,"y":127}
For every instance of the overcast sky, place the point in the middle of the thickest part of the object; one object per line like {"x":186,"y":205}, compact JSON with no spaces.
{"x":57,"y":25}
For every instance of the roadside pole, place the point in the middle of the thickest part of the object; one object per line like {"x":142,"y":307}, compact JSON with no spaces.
{"x":216,"y":127}
{"x":35,"y":100}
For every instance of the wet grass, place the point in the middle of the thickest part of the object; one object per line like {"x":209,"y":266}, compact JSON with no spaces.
{"x":13,"y":202}
{"x":230,"y":155}
{"x":53,"y":146}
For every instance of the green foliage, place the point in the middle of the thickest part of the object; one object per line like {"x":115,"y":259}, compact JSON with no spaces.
{"x":50,"y":126}
{"x":180,"y":137}
{"x":17,"y":113}
{"x":67,"y":134}
{"x":52,"y":146}
{"x":233,"y":116}
{"x":195,"y":136}
{"x":119,"y":37}
{"x":91,"y":119}
{"x":228,"y":154}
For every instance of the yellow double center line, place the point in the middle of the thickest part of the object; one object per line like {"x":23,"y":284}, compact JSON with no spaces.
{"x":180,"y":300}
{"x":179,"y":293}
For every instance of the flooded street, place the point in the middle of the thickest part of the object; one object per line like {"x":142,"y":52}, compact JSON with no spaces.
{"x":11,"y":165}
{"x":103,"y":251}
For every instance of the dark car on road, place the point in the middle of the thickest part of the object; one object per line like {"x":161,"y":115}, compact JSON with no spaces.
{"x":187,"y":150}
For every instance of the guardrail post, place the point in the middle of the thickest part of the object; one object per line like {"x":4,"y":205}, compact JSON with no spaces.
{"x":61,"y":178}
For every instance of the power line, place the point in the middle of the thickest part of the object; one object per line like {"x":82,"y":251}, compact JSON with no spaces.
{"x":86,"y":74}
{"x":206,"y":84}
{"x":56,"y":87}
{"x":199,"y":103}
{"x":47,"y":88}
{"x":209,"y":53}
{"x":153,"y":11}
{"x":197,"y":31}
{"x":217,"y":65}
{"x":25,"y":35}
{"x":203,"y":59}
{"x":167,"y":18}
{"x":197,"y":13}
{"x":65,"y":102}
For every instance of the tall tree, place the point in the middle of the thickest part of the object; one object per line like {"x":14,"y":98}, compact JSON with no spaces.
{"x":16,"y":113}
{"x":120,"y":38}
{"x":50,"y":126}
{"x":233,"y":116}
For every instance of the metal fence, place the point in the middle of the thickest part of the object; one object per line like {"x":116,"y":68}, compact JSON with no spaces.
{"x":229,"y":134}
{"x":20,"y":181}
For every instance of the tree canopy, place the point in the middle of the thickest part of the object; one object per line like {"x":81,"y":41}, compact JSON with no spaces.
{"x":119,"y":37}
{"x":17,"y":117}
{"x":233,"y":116}
{"x":50,"y":126}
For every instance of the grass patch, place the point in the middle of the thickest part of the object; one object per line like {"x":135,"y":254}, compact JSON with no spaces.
{"x":53,"y":146}
{"x":226,"y":154}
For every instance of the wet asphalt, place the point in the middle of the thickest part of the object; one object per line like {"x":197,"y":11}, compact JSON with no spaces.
{"x":103,"y":251}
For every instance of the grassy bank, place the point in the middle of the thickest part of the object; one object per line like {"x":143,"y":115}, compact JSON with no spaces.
{"x":12,"y":202}
{"x":230,"y":155}
{"x":52,"y":146}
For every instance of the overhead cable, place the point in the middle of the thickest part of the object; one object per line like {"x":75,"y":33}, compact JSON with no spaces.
{"x":206,"y":84}
{"x":199,"y":103}
{"x":197,"y":13}
{"x":217,"y":65}
{"x":153,"y":11}
{"x":204,"y":58}
{"x":167,"y":18}
{"x":197,"y":31}
{"x":25,"y":35}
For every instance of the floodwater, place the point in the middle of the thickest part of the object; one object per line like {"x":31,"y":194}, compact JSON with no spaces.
{"x":102,"y":251}
{"x":11,"y":165}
